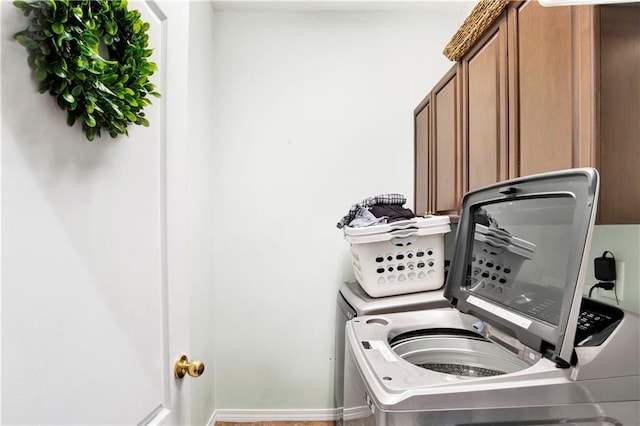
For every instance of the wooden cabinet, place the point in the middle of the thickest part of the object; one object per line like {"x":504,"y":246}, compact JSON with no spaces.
{"x":484,"y":109}
{"x":446,"y":145}
{"x":543,"y":89}
{"x":618,"y":116}
{"x":574,"y":89}
{"x":422,"y":168}
{"x":438,"y":152}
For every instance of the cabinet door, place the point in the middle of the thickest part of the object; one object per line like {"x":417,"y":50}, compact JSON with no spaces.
{"x":484,"y":106}
{"x":422,"y":166}
{"x":619,"y":141}
{"x":446,"y":144}
{"x":541,"y":89}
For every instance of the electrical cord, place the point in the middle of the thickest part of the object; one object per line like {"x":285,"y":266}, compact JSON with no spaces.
{"x":604,"y":286}
{"x":607,"y":285}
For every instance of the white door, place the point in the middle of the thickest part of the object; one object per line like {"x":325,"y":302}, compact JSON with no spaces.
{"x":93,"y":248}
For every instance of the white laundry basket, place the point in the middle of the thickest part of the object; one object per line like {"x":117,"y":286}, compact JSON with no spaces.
{"x":401,"y":257}
{"x":497,"y":258}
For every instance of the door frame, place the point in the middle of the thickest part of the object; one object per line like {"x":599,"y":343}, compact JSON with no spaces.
{"x":176,"y":396}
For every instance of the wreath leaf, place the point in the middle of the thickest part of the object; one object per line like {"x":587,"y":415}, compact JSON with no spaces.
{"x":27,"y":42}
{"x":57,"y":27}
{"x":24,"y":7}
{"x":65,"y":40}
{"x":40,"y":74}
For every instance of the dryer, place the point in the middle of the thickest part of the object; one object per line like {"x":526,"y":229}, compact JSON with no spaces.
{"x":520,"y":345}
{"x":353,"y":301}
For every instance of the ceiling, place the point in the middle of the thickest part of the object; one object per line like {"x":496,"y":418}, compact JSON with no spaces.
{"x":456,"y":6}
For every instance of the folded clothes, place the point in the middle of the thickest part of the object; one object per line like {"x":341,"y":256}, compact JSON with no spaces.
{"x":382,"y":199}
{"x":364,"y":217}
{"x":482,"y":217}
{"x":392,"y":212}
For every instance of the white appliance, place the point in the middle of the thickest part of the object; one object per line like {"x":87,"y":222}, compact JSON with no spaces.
{"x":353,"y":302}
{"x":521,"y":347}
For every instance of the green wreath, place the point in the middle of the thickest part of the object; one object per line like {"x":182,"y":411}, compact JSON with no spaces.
{"x":65,"y":39}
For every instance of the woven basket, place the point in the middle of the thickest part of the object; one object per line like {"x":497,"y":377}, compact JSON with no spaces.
{"x":479,"y":20}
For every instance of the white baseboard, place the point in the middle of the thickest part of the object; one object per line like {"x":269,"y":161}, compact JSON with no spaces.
{"x":354,"y":413}
{"x":238,"y":415}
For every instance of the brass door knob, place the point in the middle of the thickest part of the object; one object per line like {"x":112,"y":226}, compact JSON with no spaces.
{"x":184,"y":366}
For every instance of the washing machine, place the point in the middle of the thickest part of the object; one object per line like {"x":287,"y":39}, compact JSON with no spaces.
{"x":353,"y":302}
{"x":519,"y":345}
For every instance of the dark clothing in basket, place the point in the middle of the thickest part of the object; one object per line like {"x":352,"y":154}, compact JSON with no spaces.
{"x":385,"y":199}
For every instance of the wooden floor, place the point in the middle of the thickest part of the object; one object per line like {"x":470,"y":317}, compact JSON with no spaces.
{"x":276,"y":424}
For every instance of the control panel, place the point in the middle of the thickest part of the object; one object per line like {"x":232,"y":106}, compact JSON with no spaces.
{"x":596,"y":322}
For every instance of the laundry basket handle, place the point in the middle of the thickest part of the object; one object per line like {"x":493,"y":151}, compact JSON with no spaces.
{"x":498,"y":233}
{"x":403,"y":224}
{"x":402,"y":241}
{"x":495,"y":242}
{"x":401,"y":233}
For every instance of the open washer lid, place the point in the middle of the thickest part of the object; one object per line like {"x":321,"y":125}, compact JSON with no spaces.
{"x":520,"y":257}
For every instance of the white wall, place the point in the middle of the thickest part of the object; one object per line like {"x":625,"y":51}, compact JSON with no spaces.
{"x":313,"y":111}
{"x":201,"y":204}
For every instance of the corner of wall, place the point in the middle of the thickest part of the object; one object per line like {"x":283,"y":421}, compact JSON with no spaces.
{"x":200,"y":200}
